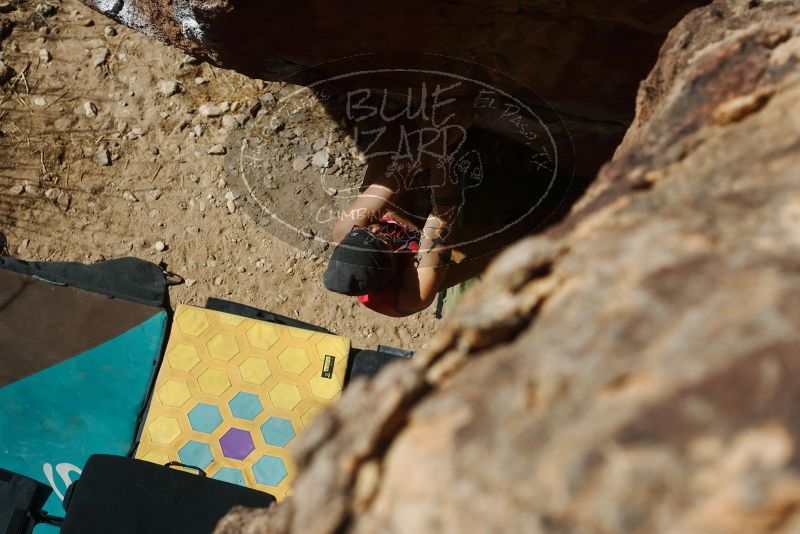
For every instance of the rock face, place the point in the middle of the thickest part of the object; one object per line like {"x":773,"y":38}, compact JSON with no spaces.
{"x":633,"y":369}
{"x":585,"y":58}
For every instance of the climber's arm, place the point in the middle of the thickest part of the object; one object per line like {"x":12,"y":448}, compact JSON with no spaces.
{"x":421,"y":284}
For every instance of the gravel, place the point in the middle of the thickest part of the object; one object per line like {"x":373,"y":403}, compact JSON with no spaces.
{"x":100,"y":56}
{"x":102,"y":156}
{"x":46,"y":9}
{"x":168,"y":87}
{"x":63,"y":200}
{"x":6,"y":72}
{"x":321,"y":159}
{"x":90,"y":109}
{"x":229,"y":123}
{"x":212,"y":110}
{"x":299,"y":164}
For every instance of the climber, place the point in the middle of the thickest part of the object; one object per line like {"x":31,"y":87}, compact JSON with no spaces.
{"x":388,"y":256}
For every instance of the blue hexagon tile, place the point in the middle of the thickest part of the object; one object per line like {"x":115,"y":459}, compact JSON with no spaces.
{"x":269,"y":470}
{"x":196,"y":454}
{"x":205,"y":418}
{"x":245,"y":406}
{"x":229,"y":474}
{"x":277,"y":431}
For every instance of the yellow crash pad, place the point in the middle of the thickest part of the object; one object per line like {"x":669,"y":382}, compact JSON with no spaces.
{"x":233,"y":393}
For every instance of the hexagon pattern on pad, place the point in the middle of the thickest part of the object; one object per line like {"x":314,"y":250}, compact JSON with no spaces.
{"x":277,"y":431}
{"x":234,"y":392}
{"x":236,"y":444}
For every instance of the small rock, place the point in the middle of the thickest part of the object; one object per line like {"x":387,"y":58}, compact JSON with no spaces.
{"x":90,"y":109}
{"x":6,"y":72}
{"x":160,"y":246}
{"x":230,"y":195}
{"x":110,"y":31}
{"x":200,"y":81}
{"x":198,"y":131}
{"x":321,"y":159}
{"x":51,"y":194}
{"x":267,"y":99}
{"x":44,"y":55}
{"x":269,"y":182}
{"x":217,"y":150}
{"x":100,"y":56}
{"x":130,"y":197}
{"x":39,"y":101}
{"x":218,"y":281}
{"x":168,"y":87}
{"x":154,"y":195}
{"x":92,"y":44}
{"x":16,"y":189}
{"x":331,"y":191}
{"x":276,"y":125}
{"x":88,"y":23}
{"x":252,"y":107}
{"x":231,"y":205}
{"x":320,"y":143}
{"x":190,"y":282}
{"x":211,"y":110}
{"x":229,"y":123}
{"x":299,"y":164}
{"x":221,"y":183}
{"x":46,"y":10}
{"x":102,"y":156}
{"x":63,"y":200}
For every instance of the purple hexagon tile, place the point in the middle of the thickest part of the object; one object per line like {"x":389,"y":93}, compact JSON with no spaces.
{"x":236,"y":444}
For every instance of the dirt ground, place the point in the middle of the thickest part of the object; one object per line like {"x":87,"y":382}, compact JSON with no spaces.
{"x":99,"y":159}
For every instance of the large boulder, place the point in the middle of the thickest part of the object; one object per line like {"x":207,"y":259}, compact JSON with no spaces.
{"x":634,"y":368}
